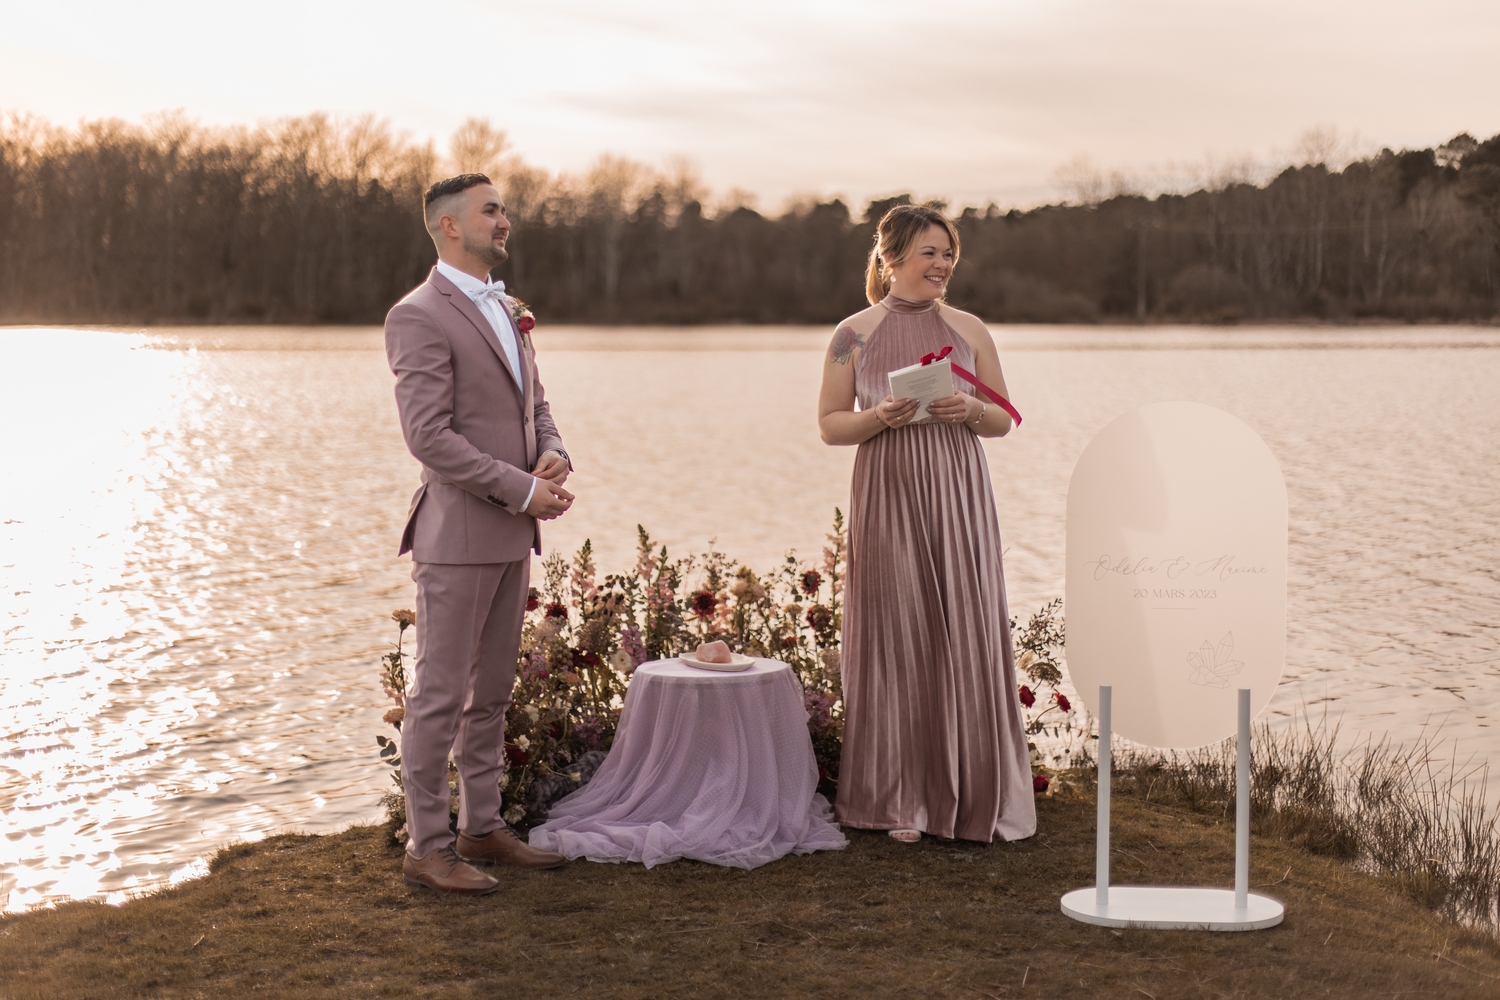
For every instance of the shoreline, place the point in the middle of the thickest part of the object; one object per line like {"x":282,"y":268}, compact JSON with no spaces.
{"x":1108,"y":323}
{"x":941,"y":919}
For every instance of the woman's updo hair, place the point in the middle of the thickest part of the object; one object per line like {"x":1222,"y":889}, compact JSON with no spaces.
{"x":894,"y":238}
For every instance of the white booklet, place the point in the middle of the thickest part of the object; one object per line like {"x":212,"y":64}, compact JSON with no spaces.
{"x":924,"y":383}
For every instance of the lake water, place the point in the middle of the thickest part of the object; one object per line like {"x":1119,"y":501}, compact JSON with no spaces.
{"x":197,"y":556}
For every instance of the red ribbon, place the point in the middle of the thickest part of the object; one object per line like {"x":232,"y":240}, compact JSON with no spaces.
{"x":968,"y":376}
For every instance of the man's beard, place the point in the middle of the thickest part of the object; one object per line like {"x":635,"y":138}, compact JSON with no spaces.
{"x":486,"y":250}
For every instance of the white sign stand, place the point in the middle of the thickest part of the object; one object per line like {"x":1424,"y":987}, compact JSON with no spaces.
{"x":1176,"y":596}
{"x":1175,"y":907}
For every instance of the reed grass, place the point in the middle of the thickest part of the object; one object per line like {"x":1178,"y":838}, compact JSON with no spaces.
{"x":1412,"y":814}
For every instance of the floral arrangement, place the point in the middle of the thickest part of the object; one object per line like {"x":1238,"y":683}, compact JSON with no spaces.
{"x":521,"y":314}
{"x":1054,"y":733}
{"x":583,"y":637}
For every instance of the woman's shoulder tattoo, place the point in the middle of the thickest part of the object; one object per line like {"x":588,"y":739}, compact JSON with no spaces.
{"x":845,"y":340}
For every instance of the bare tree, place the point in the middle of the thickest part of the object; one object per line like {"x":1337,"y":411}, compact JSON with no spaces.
{"x":477,"y":148}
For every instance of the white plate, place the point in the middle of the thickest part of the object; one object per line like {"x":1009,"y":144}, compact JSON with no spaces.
{"x":737,"y":661}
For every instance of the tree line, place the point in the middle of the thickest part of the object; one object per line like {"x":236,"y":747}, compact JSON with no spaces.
{"x":319,"y":220}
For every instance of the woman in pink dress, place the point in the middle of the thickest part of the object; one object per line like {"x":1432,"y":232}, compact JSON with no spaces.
{"x":934,"y":740}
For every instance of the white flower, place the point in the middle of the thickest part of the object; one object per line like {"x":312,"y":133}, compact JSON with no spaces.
{"x":832,"y":661}
{"x":515,"y":814}
{"x":531,"y":712}
{"x":523,"y":742}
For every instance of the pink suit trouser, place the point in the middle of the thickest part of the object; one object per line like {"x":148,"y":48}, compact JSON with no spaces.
{"x":468,"y":636}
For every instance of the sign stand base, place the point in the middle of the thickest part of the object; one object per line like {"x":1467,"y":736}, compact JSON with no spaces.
{"x":1175,"y":907}
{"x":1172,"y":908}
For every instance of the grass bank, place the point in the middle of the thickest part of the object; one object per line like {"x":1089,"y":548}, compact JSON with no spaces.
{"x":329,"y":916}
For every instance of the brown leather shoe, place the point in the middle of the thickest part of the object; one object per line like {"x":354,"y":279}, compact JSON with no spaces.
{"x":444,"y":871}
{"x":503,"y":847}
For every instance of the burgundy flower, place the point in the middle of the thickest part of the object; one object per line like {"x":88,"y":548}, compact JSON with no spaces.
{"x":1027,"y":697}
{"x":811,"y":581}
{"x":1063,"y":703}
{"x":533,"y":600}
{"x":819,"y":617}
{"x":516,"y":755}
{"x":555,"y":610}
{"x":526,"y":323}
{"x":555,"y":730}
{"x":703,"y":602}
{"x":590,"y":732}
{"x":1039,"y":784}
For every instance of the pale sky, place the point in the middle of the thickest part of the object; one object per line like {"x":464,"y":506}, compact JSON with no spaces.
{"x":965,"y":100}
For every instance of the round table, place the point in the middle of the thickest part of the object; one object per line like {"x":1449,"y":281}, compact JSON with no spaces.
{"x":714,"y":766}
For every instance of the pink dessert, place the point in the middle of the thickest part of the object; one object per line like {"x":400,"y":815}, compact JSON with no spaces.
{"x":713,"y":652}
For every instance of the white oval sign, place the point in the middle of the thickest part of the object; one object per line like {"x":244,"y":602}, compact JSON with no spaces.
{"x":1176,"y":573}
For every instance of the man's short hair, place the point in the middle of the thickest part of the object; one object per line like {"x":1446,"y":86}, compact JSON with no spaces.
{"x":453,"y":185}
{"x":436,"y":198}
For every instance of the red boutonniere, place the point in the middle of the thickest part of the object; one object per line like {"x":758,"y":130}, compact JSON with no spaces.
{"x":521,"y":313}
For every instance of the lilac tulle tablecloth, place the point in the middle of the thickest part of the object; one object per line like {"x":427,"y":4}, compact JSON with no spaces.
{"x":712,"y":766}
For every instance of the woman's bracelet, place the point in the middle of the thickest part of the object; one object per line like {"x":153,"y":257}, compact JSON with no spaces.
{"x":976,"y":420}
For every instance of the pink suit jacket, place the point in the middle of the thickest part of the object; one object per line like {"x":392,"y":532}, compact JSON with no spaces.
{"x":475,"y":430}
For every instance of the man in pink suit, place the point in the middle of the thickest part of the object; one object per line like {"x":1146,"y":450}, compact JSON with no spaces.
{"x":493,"y":465}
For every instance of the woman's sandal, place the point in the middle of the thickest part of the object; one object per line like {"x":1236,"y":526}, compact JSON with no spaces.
{"x":905,"y":836}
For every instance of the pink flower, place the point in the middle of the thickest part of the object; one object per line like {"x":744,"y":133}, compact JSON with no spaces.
{"x":630,"y":641}
{"x":819,"y":705}
{"x":1027,"y":697}
{"x":536,"y":666}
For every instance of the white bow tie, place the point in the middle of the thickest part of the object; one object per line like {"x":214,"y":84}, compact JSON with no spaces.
{"x":494,"y":290}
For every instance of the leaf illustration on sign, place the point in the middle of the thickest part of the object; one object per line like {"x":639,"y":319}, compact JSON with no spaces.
{"x":1214,"y":667}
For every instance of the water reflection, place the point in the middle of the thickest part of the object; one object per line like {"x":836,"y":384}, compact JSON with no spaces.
{"x":197,"y":554}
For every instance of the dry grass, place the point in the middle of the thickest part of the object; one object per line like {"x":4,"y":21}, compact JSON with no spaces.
{"x":329,"y":917}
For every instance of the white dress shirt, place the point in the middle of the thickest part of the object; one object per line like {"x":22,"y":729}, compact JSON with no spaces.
{"x":490,"y":297}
